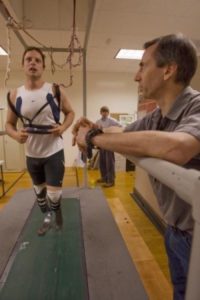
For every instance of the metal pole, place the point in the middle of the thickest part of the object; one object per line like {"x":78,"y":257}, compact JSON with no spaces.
{"x":85,"y":173}
{"x":87,"y":33}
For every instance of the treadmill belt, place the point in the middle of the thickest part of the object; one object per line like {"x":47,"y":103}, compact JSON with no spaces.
{"x":51,"y":267}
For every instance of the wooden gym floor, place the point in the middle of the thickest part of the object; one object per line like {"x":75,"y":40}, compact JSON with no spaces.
{"x":143,"y":240}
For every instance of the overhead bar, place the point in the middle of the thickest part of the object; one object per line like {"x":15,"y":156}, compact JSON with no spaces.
{"x":47,"y":49}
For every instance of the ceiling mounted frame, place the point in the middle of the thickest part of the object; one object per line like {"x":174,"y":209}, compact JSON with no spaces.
{"x":81,"y":50}
{"x":7,"y":16}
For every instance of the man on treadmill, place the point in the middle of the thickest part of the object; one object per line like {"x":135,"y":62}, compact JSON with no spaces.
{"x":38,"y":105}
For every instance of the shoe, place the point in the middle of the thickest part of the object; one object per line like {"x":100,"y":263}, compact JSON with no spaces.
{"x":108,"y":184}
{"x":100,"y":180}
{"x":45,"y":226}
{"x":58,"y":219}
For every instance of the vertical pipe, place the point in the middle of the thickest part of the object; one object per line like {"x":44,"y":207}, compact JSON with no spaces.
{"x":85,"y":174}
{"x":91,"y":4}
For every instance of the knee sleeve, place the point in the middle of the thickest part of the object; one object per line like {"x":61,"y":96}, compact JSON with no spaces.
{"x":54,"y":198}
{"x":41,"y":191}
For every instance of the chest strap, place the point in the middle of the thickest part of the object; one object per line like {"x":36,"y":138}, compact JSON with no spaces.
{"x":28,"y":123}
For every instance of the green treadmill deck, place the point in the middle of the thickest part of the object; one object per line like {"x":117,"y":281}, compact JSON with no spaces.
{"x":51,"y":267}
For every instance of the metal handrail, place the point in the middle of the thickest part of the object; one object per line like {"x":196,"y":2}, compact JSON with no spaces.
{"x":186,"y":184}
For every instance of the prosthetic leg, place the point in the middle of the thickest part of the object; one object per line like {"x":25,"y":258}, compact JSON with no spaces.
{"x":49,"y":202}
{"x":54,"y":199}
{"x":41,"y":192}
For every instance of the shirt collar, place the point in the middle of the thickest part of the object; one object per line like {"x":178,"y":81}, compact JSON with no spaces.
{"x":180,"y":103}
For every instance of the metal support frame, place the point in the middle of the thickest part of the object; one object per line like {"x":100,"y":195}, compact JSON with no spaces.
{"x":186,"y":183}
{"x":5,"y":13}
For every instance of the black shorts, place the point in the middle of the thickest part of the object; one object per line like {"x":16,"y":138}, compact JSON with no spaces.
{"x":49,"y":170}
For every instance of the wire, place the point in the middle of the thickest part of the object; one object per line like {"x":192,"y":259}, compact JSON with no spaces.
{"x":73,"y":59}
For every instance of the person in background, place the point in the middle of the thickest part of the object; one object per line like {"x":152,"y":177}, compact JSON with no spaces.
{"x":38,"y":105}
{"x":171,"y":132}
{"x":106,"y":157}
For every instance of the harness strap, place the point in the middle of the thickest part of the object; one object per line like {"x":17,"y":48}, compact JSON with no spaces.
{"x":12,"y":107}
{"x":54,"y":107}
{"x":34,"y":128}
{"x":57,"y":93}
{"x":39,"y":129}
{"x":38,"y":112}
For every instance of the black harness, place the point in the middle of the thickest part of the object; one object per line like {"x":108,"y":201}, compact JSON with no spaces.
{"x":28,"y":123}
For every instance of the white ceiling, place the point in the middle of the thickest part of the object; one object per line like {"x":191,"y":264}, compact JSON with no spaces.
{"x":115,"y":24}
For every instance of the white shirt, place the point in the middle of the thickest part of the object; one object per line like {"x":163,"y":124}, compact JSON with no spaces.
{"x":39,"y":145}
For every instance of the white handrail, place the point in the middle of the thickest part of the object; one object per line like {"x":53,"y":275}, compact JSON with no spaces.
{"x":186,"y":183}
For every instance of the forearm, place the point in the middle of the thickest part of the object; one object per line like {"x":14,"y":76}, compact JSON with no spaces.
{"x":163,"y":145}
{"x":113,"y":129}
{"x":11,"y":130}
{"x":69,"y":118}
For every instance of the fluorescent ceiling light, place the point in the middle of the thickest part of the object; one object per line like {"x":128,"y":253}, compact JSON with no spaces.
{"x":2,"y":51}
{"x":129,"y":54}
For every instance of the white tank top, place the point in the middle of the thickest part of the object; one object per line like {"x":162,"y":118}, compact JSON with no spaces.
{"x":39,"y":145}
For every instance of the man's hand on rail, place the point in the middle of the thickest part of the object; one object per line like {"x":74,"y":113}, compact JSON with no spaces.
{"x":79,"y":131}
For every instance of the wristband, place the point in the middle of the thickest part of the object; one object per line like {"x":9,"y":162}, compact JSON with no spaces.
{"x":88,"y":139}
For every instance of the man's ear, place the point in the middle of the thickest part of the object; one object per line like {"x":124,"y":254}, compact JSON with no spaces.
{"x":170,"y":71}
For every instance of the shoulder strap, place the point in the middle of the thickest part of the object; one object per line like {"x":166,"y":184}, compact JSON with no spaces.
{"x":57,"y":93}
{"x":10,"y":104}
{"x":39,"y":111}
{"x":13,"y":108}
